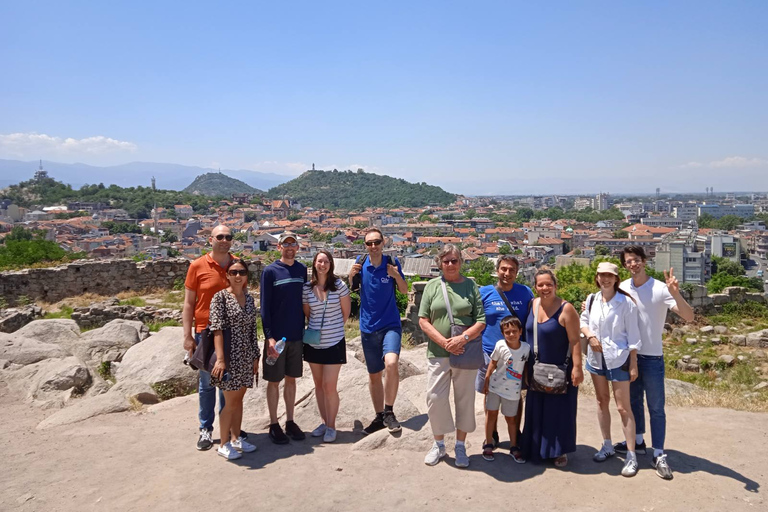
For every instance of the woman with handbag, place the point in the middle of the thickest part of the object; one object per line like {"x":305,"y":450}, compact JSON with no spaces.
{"x":327,"y":306}
{"x":611,"y":325}
{"x":233,"y":324}
{"x":451,"y":315}
{"x":551,"y":404}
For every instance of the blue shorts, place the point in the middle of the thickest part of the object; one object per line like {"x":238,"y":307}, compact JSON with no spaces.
{"x":378,"y":344}
{"x":615,"y":375}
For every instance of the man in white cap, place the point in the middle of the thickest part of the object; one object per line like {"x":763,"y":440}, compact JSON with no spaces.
{"x":282,"y":316}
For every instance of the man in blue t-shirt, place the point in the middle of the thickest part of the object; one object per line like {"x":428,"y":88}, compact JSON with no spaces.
{"x":282,"y":316}
{"x":380,"y":327}
{"x":519,"y":297}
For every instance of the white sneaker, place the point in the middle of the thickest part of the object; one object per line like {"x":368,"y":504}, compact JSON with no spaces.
{"x":630,"y":467}
{"x":462,"y":461}
{"x":228,"y":452}
{"x":319,"y":431}
{"x":330,"y":435}
{"x":435,"y":454}
{"x":242,"y":445}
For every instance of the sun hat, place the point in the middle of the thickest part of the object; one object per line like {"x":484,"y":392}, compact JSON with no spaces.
{"x":606,"y":267}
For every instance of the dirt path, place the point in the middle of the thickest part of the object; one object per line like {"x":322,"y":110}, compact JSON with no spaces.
{"x":147,"y":461}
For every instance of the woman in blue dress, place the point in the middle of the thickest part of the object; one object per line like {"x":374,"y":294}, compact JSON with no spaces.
{"x":550,"y":420}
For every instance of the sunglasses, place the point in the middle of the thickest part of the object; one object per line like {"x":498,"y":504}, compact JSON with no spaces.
{"x":370,"y":243}
{"x":228,"y":238}
{"x":453,"y":261}
{"x":290,"y":244}
{"x":233,"y":273}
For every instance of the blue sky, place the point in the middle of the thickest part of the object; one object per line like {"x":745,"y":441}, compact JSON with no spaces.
{"x":478,"y":97}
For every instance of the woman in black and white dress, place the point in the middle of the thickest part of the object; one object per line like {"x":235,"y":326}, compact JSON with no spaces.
{"x":327,"y":305}
{"x":235,"y":372}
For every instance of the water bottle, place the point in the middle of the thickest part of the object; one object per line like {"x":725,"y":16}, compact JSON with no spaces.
{"x":279,"y":346}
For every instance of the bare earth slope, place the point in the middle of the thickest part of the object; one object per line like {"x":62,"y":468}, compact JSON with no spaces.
{"x":147,"y":461}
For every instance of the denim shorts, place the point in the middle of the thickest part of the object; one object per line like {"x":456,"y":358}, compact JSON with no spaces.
{"x":378,"y":344}
{"x":615,"y":375}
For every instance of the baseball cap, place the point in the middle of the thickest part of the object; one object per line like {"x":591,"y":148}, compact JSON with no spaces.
{"x":286,"y":235}
{"x":606,"y":267}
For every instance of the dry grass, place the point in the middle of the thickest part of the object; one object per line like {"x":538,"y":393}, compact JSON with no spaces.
{"x":723,"y":398}
{"x":352,"y":328}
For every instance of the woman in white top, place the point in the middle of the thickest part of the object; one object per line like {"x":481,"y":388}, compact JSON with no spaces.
{"x":610,"y":323}
{"x":327,"y":305}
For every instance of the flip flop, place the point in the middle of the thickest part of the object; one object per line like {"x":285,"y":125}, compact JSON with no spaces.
{"x":561,"y":461}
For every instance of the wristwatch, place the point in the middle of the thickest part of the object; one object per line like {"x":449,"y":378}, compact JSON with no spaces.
{"x":466,"y":338}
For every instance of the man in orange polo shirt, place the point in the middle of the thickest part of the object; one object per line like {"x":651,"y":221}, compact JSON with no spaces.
{"x":206,"y":276}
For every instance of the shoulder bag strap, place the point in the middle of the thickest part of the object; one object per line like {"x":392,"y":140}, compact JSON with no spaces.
{"x":448,"y":306}
{"x":322,"y":320}
{"x":536,"y":328}
{"x":506,"y":300}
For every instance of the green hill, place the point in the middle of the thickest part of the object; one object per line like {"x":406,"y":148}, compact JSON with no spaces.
{"x":354,"y":190}
{"x":216,"y":184}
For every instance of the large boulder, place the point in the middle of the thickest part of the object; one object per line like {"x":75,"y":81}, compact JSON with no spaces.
{"x":21,"y":350}
{"x":86,"y":408}
{"x":157,"y":362}
{"x":673,"y":387}
{"x":57,"y":331}
{"x":61,"y":375}
{"x":109,"y":343}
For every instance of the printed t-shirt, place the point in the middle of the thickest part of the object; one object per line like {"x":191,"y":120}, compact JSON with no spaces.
{"x":507,"y":379}
{"x":282,"y":314}
{"x":378,"y":305}
{"x":495,"y":310}
{"x":466,"y":305}
{"x":653,"y":300}
{"x":205,"y":277}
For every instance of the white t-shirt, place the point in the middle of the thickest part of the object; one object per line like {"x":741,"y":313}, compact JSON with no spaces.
{"x":653,"y":300}
{"x":507,"y":379}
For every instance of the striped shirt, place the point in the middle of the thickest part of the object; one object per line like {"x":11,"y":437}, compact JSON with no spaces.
{"x":333,"y":323}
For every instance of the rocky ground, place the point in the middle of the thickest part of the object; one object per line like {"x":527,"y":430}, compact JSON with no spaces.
{"x":79,"y":434}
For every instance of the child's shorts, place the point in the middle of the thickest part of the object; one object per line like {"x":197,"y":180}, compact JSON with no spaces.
{"x":508,"y":407}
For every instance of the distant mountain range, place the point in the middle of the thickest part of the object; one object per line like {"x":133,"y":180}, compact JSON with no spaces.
{"x":168,"y":176}
{"x":219,"y":184}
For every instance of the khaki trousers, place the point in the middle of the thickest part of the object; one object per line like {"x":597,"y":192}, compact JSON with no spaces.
{"x":439,"y":378}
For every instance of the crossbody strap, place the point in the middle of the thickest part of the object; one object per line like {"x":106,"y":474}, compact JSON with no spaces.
{"x":448,"y":306}
{"x":536,"y":334}
{"x":506,"y":300}
{"x":322,"y":320}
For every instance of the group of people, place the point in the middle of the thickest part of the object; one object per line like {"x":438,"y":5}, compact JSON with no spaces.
{"x":518,"y":341}
{"x":302,"y":320}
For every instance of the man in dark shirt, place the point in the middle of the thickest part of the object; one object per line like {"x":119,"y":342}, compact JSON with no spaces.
{"x":282,"y":316}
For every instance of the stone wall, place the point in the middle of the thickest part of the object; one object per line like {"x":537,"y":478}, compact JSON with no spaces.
{"x":102,"y":277}
{"x":712,"y":304}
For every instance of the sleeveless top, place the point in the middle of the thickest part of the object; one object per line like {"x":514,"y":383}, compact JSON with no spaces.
{"x":553,"y":338}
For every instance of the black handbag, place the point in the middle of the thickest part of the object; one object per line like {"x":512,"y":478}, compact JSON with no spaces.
{"x":472,"y":358}
{"x":547,"y":378}
{"x":204,"y":357}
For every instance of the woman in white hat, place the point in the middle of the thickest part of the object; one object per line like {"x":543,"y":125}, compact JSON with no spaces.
{"x":610,"y":323}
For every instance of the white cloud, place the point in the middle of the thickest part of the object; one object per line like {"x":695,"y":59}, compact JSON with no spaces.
{"x":739,"y":161}
{"x":731,"y":162}
{"x":34,"y":145}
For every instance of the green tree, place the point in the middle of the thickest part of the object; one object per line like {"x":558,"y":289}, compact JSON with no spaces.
{"x":726,"y":266}
{"x":240,"y":236}
{"x":620,"y":233}
{"x":481,"y":269}
{"x":601,"y":250}
{"x":471,"y":213}
{"x":504,"y":249}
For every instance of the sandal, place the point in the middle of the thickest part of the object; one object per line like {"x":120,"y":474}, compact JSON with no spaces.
{"x":516,"y":455}
{"x":488,"y":452}
{"x":561,"y":461}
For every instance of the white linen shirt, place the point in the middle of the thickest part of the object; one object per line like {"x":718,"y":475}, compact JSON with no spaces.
{"x":616,"y":325}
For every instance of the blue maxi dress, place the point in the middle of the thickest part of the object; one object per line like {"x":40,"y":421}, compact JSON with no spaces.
{"x":550,"y":420}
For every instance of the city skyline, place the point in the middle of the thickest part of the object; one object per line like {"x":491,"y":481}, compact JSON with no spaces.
{"x":536,"y":99}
